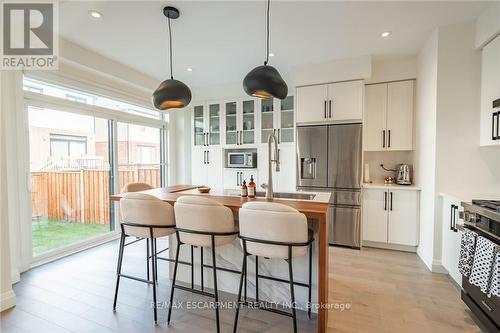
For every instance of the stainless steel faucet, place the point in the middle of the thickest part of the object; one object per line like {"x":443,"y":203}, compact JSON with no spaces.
{"x":269,"y":186}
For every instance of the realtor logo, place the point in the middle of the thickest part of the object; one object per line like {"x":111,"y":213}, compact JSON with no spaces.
{"x":29,"y":39}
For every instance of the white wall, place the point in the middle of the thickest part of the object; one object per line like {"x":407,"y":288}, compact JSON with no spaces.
{"x":7,"y":296}
{"x":488,"y":25}
{"x":393,"y":69}
{"x":461,"y":164}
{"x":425,"y":144}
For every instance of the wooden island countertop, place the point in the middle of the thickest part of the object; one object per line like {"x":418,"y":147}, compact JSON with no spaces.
{"x":315,"y":210}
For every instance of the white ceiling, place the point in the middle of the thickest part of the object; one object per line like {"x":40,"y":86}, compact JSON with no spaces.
{"x":222,"y":41}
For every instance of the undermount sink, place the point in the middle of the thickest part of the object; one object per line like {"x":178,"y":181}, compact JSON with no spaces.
{"x":283,"y":195}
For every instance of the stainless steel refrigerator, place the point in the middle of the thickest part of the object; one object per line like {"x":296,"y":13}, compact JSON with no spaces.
{"x":329,"y":159}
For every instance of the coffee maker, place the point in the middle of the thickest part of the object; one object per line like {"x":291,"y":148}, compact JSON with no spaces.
{"x":403,"y":175}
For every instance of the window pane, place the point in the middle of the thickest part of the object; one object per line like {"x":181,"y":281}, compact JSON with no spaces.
{"x":86,"y":98}
{"x":70,"y":177}
{"x":138,"y":155}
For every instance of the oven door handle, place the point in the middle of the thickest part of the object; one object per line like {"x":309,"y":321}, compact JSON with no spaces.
{"x":455,"y":209}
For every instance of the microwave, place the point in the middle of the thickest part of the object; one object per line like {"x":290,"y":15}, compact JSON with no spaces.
{"x":241,"y":160}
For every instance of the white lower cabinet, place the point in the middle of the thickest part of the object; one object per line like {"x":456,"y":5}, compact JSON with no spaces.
{"x":391,"y":216}
{"x":206,"y":167}
{"x":285,"y":179}
{"x":450,"y":251}
{"x":233,"y":178}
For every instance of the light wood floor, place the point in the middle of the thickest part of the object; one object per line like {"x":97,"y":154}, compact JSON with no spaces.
{"x":391,"y":291}
{"x":385,"y":291}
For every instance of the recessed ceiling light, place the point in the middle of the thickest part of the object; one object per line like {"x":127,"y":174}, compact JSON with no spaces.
{"x":95,"y":14}
{"x":385,"y":34}
{"x":189,"y":69}
{"x":272,"y":54}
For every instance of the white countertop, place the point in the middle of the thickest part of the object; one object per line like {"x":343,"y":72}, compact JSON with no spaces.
{"x":321,"y":197}
{"x":467,"y":196}
{"x":391,"y":186}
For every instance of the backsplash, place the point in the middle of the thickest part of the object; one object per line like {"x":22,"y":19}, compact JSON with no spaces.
{"x":390,"y":159}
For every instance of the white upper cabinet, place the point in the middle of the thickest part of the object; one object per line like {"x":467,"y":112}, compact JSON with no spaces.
{"x":375,"y":122}
{"x":334,"y":102}
{"x":277,"y":116}
{"x":206,"y":125}
{"x":388,"y":118}
{"x":312,"y":103}
{"x":240,"y":120}
{"x":490,"y":91}
{"x":345,"y":101}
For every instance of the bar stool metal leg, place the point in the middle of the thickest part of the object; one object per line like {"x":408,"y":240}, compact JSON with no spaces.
{"x":292,"y":292}
{"x":192,"y":267}
{"x":119,"y":267}
{"x":156,"y":262}
{"x":173,"y":279}
{"x":216,"y":292}
{"x":202,"y":269}
{"x":242,"y":276}
{"x":153,"y":273}
{"x":310,"y":280}
{"x":147,"y":258}
{"x":257,"y":279}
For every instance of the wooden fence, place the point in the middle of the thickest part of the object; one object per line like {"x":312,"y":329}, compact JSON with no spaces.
{"x":82,"y":196}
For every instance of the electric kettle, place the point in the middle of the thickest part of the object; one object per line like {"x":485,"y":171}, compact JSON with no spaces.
{"x":403,"y":175}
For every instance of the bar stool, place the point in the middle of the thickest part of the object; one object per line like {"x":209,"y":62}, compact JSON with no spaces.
{"x":202,"y":222}
{"x":136,"y":187}
{"x":148,"y":217}
{"x":277,"y":231}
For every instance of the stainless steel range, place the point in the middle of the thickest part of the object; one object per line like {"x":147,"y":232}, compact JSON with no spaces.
{"x":482,"y":216}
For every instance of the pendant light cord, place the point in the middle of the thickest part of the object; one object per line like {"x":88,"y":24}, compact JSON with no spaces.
{"x":267,"y":33}
{"x":170,"y":43}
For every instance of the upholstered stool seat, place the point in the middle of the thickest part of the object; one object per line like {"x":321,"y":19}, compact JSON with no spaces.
{"x":148,"y":217}
{"x":274,"y":231}
{"x":202,"y":222}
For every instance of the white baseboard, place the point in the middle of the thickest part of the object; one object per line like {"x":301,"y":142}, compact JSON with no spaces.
{"x":437,"y":267}
{"x":7,"y":300}
{"x":387,"y":246}
{"x":15,"y":275}
{"x":426,"y":260}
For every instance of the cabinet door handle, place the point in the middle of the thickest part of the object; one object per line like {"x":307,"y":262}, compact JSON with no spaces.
{"x":383,"y":139}
{"x":455,"y":218}
{"x":498,"y":126}
{"x":452,"y":212}
{"x":493,"y":116}
{"x":391,"y":201}
{"x":204,"y":157}
{"x":330,"y":108}
{"x":208,"y":156}
{"x":389,"y":139}
{"x":385,"y":200}
{"x":241,"y":137}
{"x":237,"y":178}
{"x":325,"y":109}
{"x":279,"y":135}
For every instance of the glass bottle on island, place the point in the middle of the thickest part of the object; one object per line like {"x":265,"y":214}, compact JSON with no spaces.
{"x":251,"y":188}
{"x":244,"y":191}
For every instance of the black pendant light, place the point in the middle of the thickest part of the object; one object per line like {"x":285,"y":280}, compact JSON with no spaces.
{"x":171,"y":93}
{"x":265,"y":81}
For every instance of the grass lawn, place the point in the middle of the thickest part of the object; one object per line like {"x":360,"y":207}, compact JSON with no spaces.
{"x":52,"y":234}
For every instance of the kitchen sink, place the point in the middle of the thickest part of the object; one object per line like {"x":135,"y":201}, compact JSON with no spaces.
{"x":283,"y":195}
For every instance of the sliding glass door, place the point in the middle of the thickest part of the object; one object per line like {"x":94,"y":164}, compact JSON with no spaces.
{"x":70,"y":178}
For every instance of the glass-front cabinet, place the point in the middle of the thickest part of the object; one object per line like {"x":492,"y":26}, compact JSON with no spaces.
{"x":245,"y":121}
{"x":214,"y":124}
{"x":199,"y":125}
{"x":206,"y":124}
{"x":240,"y":122}
{"x":277,"y":116}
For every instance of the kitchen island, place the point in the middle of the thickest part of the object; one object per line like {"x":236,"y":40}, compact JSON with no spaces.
{"x":315,"y":208}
